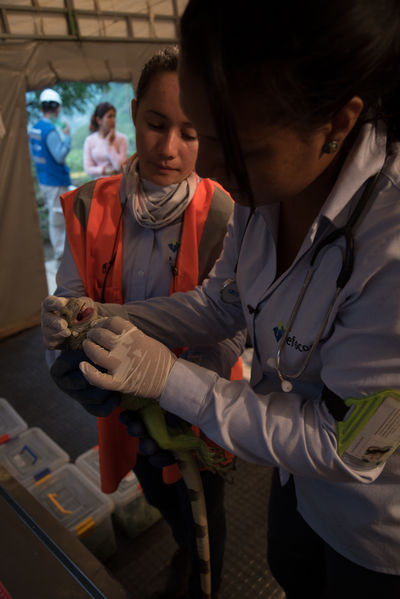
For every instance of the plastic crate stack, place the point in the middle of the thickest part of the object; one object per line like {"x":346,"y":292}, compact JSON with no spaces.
{"x":43,"y":468}
{"x":131,"y":512}
{"x":71,"y":492}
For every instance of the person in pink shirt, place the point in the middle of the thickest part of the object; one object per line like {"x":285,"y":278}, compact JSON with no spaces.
{"x":105,"y":150}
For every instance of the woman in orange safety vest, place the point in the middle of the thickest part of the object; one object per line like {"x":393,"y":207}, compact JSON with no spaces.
{"x":154,"y":230}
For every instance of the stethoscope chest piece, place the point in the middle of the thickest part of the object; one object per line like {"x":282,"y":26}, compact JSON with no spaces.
{"x":286,"y":386}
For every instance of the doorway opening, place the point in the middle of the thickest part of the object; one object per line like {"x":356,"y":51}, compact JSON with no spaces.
{"x":79,"y":101}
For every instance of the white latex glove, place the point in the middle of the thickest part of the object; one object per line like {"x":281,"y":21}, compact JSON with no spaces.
{"x":54,"y":328}
{"x":135,"y":362}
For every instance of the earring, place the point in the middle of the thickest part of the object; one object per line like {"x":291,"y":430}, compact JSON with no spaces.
{"x":329,"y":147}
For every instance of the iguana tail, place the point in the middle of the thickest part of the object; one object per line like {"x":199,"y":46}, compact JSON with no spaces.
{"x":191,"y":476}
{"x":79,"y":321}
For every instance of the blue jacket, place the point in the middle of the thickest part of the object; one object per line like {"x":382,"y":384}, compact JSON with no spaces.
{"x":48,"y":170}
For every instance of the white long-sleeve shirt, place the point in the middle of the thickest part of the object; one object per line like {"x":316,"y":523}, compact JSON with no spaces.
{"x":355,"y":509}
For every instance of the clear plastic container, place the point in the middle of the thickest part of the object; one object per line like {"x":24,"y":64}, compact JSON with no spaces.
{"x":80,"y":506}
{"x":31,"y":456}
{"x":11,"y":423}
{"x":131,"y":512}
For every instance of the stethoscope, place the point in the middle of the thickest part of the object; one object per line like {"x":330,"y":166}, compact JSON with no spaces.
{"x":230,"y":294}
{"x":107,"y":266}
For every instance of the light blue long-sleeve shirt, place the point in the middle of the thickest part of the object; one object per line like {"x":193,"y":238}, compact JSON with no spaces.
{"x":58,"y":146}
{"x":354,"y":507}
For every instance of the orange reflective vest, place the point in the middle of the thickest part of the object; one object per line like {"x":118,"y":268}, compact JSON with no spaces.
{"x":93,"y":212}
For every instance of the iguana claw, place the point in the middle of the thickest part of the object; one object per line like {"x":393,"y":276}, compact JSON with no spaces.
{"x":212,"y":458}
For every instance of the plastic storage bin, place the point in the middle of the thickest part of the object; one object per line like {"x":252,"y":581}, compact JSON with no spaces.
{"x":132,"y":512}
{"x":77,"y":503}
{"x":32,"y":455}
{"x":11,"y":423}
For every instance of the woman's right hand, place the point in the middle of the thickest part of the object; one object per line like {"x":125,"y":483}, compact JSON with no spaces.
{"x":111,"y":136}
{"x":54,"y":328}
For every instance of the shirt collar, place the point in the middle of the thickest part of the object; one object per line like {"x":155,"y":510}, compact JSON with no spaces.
{"x":364,"y":160}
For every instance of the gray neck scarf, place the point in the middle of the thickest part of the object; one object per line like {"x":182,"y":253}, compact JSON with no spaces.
{"x":155,"y":206}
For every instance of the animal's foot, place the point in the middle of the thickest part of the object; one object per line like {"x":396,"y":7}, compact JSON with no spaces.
{"x":212,"y":458}
{"x":79,"y":313}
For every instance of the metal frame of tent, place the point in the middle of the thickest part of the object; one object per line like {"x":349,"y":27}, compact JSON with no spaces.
{"x":111,"y":20}
{"x":43,"y":42}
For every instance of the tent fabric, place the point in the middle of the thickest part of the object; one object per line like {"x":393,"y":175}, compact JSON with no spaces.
{"x":25,"y":66}
{"x":83,"y":19}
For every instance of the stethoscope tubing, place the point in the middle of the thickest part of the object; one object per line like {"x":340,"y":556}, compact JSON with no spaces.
{"x":343,"y":277}
{"x":230,"y":294}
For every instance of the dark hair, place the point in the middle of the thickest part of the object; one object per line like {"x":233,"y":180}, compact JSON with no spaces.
{"x":100,"y":110}
{"x":164,"y":61}
{"x":304,"y":59}
{"x":49,"y":106}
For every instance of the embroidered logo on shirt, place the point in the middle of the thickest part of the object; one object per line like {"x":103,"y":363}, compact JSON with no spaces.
{"x":174,"y":245}
{"x":291,"y":340}
{"x":279,"y":330}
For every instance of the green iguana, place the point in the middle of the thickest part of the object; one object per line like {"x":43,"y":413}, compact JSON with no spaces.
{"x":188,"y":449}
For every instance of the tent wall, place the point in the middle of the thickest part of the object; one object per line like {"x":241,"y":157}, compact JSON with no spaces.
{"x":23,"y":67}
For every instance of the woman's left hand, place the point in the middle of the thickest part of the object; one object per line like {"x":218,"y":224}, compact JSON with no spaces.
{"x":135,"y":363}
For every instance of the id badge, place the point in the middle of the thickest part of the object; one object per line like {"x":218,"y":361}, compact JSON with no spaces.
{"x":371,"y":431}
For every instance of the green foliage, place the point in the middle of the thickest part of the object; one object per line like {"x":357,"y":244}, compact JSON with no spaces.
{"x":119,"y":95}
{"x":75,"y":163}
{"x":76,"y":97}
{"x":79,"y":102}
{"x":41,"y":208}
